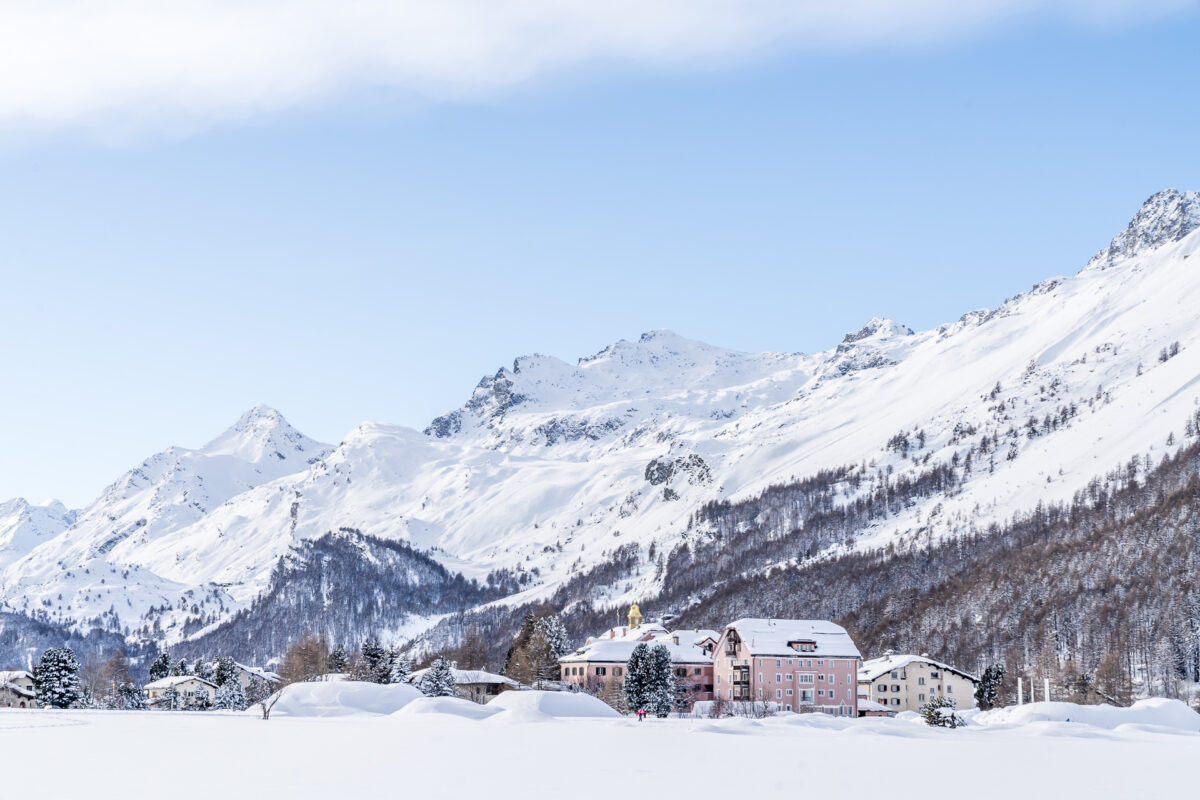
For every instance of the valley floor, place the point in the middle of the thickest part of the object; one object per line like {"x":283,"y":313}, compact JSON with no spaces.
{"x":440,"y":754}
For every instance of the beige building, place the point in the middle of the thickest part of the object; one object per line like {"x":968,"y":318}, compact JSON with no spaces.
{"x":907,"y":682}
{"x":158,"y":693}
{"x":16,"y":690}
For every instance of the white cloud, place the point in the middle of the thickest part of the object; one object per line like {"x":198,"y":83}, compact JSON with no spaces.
{"x":70,"y":62}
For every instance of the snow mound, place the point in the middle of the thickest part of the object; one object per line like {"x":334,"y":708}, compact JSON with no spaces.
{"x":454,"y":706}
{"x":535,"y":704}
{"x":1158,"y":712}
{"x":343,"y":699}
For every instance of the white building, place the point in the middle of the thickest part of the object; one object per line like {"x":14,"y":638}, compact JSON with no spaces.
{"x":475,"y":684}
{"x":158,"y":693}
{"x":16,"y":690}
{"x":905,"y":682}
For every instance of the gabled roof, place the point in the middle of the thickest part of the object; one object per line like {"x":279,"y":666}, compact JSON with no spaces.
{"x":772,"y":637}
{"x":266,"y":675}
{"x":14,"y":675}
{"x":870,"y":670}
{"x":468,"y":676}
{"x":15,"y":689}
{"x":619,"y":648}
{"x":175,"y":680}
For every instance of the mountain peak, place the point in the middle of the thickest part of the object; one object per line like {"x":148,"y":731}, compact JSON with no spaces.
{"x":1166,"y":217}
{"x":261,"y":433}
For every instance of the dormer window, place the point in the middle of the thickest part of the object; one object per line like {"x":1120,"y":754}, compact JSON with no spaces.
{"x":803,"y":645}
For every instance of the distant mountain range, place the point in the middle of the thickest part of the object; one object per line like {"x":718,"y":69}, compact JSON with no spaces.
{"x":552,"y":471}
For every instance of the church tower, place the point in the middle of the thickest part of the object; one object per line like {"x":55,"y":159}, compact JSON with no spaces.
{"x":635,"y":616}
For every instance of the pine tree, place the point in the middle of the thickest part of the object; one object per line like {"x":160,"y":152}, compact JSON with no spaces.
{"x":161,"y":667}
{"x":257,"y":690}
{"x":225,"y":672}
{"x":660,"y":686}
{"x":205,"y":670}
{"x":200,"y":700}
{"x":338,"y":660}
{"x":132,"y":697}
{"x":230,"y":697}
{"x":939,"y":712}
{"x":181,"y":668}
{"x":401,"y":667}
{"x":56,"y":678}
{"x":374,"y":663}
{"x":438,"y":680}
{"x":637,"y":678}
{"x":988,"y":690}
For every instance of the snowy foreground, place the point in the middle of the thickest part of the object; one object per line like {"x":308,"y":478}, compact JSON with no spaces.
{"x":333,"y":741}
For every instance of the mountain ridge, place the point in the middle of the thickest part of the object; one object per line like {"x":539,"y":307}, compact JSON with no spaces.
{"x":550,"y":469}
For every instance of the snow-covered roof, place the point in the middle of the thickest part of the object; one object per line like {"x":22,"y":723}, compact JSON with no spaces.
{"x":773,"y":637}
{"x":14,"y":675}
{"x":266,"y":675}
{"x":15,"y":689}
{"x":870,"y":670}
{"x":463,"y":677}
{"x":871,"y":705}
{"x":684,"y":645}
{"x":175,"y":680}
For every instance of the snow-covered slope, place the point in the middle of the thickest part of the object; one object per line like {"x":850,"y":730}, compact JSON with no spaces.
{"x":549,"y":466}
{"x":98,"y":564}
{"x":23,"y":526}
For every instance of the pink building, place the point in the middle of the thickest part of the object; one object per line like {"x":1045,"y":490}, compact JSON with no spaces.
{"x":800,"y":665}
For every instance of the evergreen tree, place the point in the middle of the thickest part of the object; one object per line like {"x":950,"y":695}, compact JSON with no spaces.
{"x":660,"y":686}
{"x":374,"y":663}
{"x":257,"y":690}
{"x":161,"y":666}
{"x":637,"y":678}
{"x":201,"y":700}
{"x":438,"y":680}
{"x":132,"y":697}
{"x":181,"y":668}
{"x":555,"y":636}
{"x":988,"y":690}
{"x":204,"y":669}
{"x":401,"y":667}
{"x":56,"y":678}
{"x":230,"y":697}
{"x":338,"y":660}
{"x":939,"y":712}
{"x":225,"y":672}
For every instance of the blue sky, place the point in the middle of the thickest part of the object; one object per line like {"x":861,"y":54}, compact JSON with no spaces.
{"x":369,"y":252}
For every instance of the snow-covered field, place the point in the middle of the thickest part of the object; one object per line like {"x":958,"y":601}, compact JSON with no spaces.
{"x":535,"y":746}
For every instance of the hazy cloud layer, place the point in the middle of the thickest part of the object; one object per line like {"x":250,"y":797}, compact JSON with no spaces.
{"x":66,"y":62}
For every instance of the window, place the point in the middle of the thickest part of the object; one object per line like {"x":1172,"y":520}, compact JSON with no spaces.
{"x":760,"y":677}
{"x":778,"y":662}
{"x":950,"y":688}
{"x":788,"y":706}
{"x":696,"y":671}
{"x":789,"y":692}
{"x":921,"y":697}
{"x":718,"y":677}
{"x":806,"y":678}
{"x":895,"y":674}
{"x":895,"y":687}
{"x":820,"y":692}
{"x":883,"y":687}
{"x":778,"y":677}
{"x":806,"y":696}
{"x":820,"y":663}
{"x":933,"y":674}
{"x":920,"y":681}
{"x":779,"y":694}
{"x":895,"y":701}
{"x":821,"y":678}
{"x":789,"y":662}
{"x":789,"y":676}
{"x":618,"y":670}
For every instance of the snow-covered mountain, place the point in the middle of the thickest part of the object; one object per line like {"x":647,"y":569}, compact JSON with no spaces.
{"x":23,"y":526}
{"x":549,"y":467}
